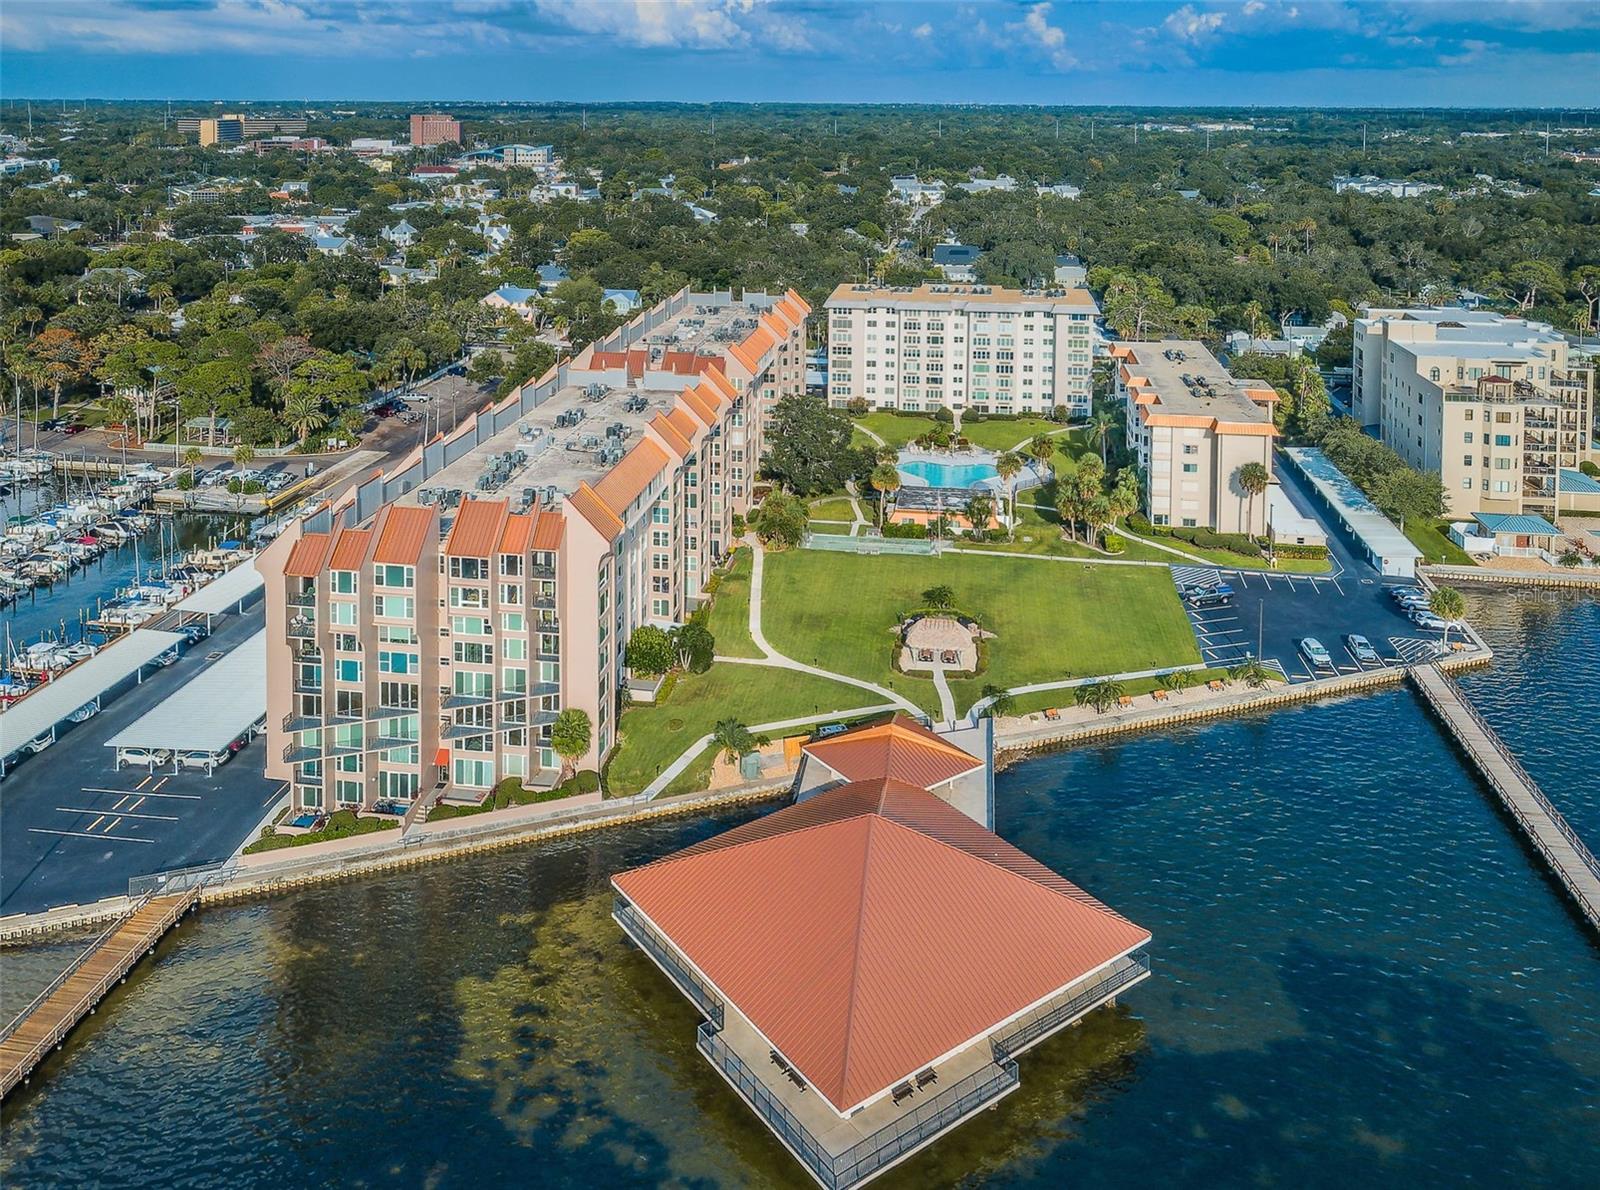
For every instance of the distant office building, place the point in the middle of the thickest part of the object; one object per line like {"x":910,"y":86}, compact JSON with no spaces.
{"x":435,"y":128}
{"x":235,"y":127}
{"x":1372,"y":185}
{"x":1192,"y":426}
{"x":1495,"y":405}
{"x":978,"y":347}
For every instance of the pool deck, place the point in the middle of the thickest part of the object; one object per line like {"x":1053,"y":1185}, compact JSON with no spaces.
{"x":1032,"y":474}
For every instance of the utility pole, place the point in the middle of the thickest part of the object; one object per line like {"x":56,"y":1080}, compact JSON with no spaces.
{"x":1363,"y":140}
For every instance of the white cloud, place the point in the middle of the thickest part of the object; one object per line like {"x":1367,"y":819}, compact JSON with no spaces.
{"x":1037,"y":33}
{"x":681,"y":24}
{"x":1191,"y":25}
{"x":923,"y":31}
{"x":1252,"y":7}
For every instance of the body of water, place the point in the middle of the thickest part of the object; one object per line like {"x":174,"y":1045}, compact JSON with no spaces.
{"x":949,"y":475}
{"x":1359,"y":976}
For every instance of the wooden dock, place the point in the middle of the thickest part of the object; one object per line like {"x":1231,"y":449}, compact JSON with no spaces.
{"x":1573,"y":864}
{"x":45,"y":1023}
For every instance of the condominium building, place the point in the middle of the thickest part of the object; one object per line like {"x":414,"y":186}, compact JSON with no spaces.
{"x":435,"y":128}
{"x":1192,"y":427}
{"x":429,"y":624}
{"x":979,"y":347}
{"x":1494,"y":404}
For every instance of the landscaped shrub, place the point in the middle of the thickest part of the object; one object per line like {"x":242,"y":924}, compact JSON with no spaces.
{"x":1590,"y":468}
{"x":907,"y":529}
{"x":1141,"y":525}
{"x":1295,"y":550}
{"x":1113,"y":544}
{"x":342,"y":824}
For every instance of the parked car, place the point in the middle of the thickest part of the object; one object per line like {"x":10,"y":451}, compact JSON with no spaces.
{"x":145,"y":756}
{"x":1404,"y":594}
{"x":1318,"y":657}
{"x":215,"y":478}
{"x":829,"y":729}
{"x":204,"y":760}
{"x":52,"y":423}
{"x":76,"y":427}
{"x":280,"y":480}
{"x":193,"y":633}
{"x":1361,"y":649}
{"x":1217,"y":597}
{"x":1423,"y":618}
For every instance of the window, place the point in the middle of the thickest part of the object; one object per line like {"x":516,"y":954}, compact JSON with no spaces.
{"x":511,"y":593}
{"x":394,"y":607}
{"x":469,"y":568}
{"x":348,"y":670}
{"x":477,"y":774}
{"x":404,"y":577}
{"x":393,"y":662}
{"x":511,"y":622}
{"x":1191,"y":468}
{"x":514,"y":649}
{"x":341,"y":613}
{"x":1502,"y":439}
{"x":348,"y":793}
{"x":469,"y":625}
{"x":400,"y":695}
{"x":510,"y":565}
{"x":343,"y":582}
{"x":474,"y":653}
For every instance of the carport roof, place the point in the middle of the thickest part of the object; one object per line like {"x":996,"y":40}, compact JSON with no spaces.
{"x":210,"y":712}
{"x":226,"y":591}
{"x":1527,"y":522}
{"x":49,"y":705}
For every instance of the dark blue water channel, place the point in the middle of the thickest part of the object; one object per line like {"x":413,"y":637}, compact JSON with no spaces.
{"x":1360,"y":977}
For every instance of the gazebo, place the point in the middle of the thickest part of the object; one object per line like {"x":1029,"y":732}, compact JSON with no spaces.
{"x":943,"y":642}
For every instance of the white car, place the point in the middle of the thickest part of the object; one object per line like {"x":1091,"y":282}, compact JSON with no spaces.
{"x":1319,"y":658}
{"x":145,"y":756}
{"x":1423,"y":618}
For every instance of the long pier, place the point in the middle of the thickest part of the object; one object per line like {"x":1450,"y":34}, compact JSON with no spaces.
{"x":75,"y":993}
{"x":1573,"y":864}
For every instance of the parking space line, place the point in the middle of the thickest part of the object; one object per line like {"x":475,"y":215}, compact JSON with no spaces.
{"x":111,"y":824}
{"x":146,"y":781}
{"x":187,"y":797}
{"x":120,"y":817}
{"x":44,"y":830}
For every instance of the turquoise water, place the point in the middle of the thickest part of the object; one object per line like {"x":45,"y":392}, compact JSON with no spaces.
{"x":1360,"y":976}
{"x":948,"y":475}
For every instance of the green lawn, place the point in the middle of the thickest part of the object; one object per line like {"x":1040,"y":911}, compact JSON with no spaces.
{"x":652,"y":737}
{"x":730,"y":610}
{"x":994,"y":433}
{"x":1430,"y":538}
{"x":1053,"y":621}
{"x":832,"y":508}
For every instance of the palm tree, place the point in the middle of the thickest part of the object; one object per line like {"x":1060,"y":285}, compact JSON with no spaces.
{"x":243,"y":456}
{"x":1101,"y":695}
{"x":1252,"y":673}
{"x":1008,"y":466}
{"x":980,"y":511}
{"x":885,"y":480}
{"x":1126,"y":495}
{"x":1041,"y":450}
{"x":1177,"y":681}
{"x":191,"y":459}
{"x":1100,"y":427}
{"x":1001,"y":701}
{"x":733,"y":740}
{"x":1068,"y":508}
{"x":303,"y":413}
{"x":1253,"y":479}
{"x":570,"y":736}
{"x":161,"y":294}
{"x":1449,"y":605}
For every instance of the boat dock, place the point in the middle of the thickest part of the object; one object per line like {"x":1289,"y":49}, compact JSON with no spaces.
{"x":1573,"y":864}
{"x":75,"y":993}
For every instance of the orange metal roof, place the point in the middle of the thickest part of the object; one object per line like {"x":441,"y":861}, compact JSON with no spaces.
{"x":518,"y":534}
{"x":588,"y":505}
{"x":402,"y":534}
{"x":547,"y":533}
{"x":675,"y":437}
{"x":721,"y":383}
{"x":631,"y":476}
{"x":305,"y":560}
{"x":699,"y":404}
{"x":873,"y":929}
{"x":476,"y":532}
{"x":685,"y":424}
{"x":350,"y":549}
{"x":900,"y":748}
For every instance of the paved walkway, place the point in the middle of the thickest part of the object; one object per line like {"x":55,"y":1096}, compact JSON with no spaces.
{"x":947,"y":702}
{"x":778,"y":660}
{"x":963,"y":549}
{"x":982,"y":704}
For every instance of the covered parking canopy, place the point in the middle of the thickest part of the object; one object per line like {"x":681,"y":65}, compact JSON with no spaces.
{"x":85,"y":684}
{"x":210,"y":712}
{"x":225,"y":593}
{"x":1386,"y":547}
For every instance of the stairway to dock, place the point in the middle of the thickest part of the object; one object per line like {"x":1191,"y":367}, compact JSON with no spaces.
{"x":74,"y":994}
{"x":1573,"y":864}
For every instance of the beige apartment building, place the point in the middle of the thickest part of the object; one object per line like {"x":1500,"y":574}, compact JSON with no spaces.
{"x":1491,"y":403}
{"x":1192,"y":426}
{"x":991,"y":350}
{"x":429,"y":624}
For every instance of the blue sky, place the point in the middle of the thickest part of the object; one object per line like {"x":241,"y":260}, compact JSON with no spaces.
{"x":1289,"y":52}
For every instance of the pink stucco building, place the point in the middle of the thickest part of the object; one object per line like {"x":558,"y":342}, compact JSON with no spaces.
{"x":428,"y":625}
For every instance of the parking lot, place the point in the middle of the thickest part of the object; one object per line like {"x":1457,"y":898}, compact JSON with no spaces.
{"x":77,"y":829}
{"x":1271,"y":613}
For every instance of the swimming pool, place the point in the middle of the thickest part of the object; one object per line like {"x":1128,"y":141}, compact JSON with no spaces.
{"x":948,"y":475}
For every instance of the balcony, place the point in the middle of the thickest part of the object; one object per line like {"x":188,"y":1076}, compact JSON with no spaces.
{"x":542,"y":601}
{"x":544,"y":572}
{"x":453,"y":702}
{"x":301,"y":628}
{"x":295,"y":722}
{"x":302,"y":686}
{"x":302,"y":599}
{"x":295,"y":752}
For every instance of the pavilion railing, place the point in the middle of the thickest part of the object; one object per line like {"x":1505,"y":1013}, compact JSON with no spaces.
{"x":632,"y":921}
